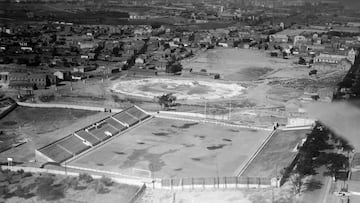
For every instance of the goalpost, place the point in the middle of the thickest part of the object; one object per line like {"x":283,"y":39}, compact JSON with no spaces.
{"x":141,"y":172}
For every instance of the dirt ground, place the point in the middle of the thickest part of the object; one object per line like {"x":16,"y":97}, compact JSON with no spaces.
{"x":40,"y":126}
{"x":220,"y":196}
{"x":271,"y":83}
{"x":277,"y":154}
{"x":237,"y":64}
{"x":173,"y":148}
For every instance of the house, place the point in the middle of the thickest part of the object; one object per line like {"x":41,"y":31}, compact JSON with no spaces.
{"x":298,"y":40}
{"x":4,"y":77}
{"x":30,"y":80}
{"x":62,"y":75}
{"x":84,"y":69}
{"x":279,"y":38}
{"x":334,"y":58}
{"x":139,"y":60}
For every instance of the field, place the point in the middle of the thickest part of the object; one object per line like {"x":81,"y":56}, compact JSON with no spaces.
{"x":277,"y":154}
{"x":172,"y":148}
{"x":236,"y":64}
{"x":40,"y":126}
{"x":183,"y":89}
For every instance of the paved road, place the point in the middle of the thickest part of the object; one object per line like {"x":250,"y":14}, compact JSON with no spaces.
{"x":319,"y":191}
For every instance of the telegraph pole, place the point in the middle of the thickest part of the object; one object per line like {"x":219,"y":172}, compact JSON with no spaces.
{"x":230,"y":111}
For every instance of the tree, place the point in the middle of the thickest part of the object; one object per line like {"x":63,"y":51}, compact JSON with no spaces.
{"x":302,"y":61}
{"x":166,"y":100}
{"x":297,"y":182}
{"x":173,"y":68}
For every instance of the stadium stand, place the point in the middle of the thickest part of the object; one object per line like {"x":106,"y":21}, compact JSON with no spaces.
{"x":115,"y":124}
{"x":73,"y":144}
{"x":136,"y":112}
{"x":103,"y":131}
{"x":124,"y":117}
{"x":56,"y":153}
{"x":88,"y":137}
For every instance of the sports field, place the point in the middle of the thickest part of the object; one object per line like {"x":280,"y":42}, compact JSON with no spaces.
{"x":172,"y":148}
{"x":276,"y":154}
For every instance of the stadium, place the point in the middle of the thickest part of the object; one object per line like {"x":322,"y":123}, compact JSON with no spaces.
{"x":159,"y":147}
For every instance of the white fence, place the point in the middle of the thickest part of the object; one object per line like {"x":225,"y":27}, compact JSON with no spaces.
{"x":201,"y":118}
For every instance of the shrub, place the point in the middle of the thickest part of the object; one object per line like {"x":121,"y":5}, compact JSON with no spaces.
{"x":26,"y":174}
{"x":106,"y":181}
{"x":100,"y":187}
{"x":46,"y":98}
{"x":85,"y":177}
{"x":47,"y":191}
{"x":70,"y":182}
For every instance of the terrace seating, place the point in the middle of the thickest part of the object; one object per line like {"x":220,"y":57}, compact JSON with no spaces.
{"x":126,"y":118}
{"x":73,"y":144}
{"x":103,"y":131}
{"x":56,"y":153}
{"x":134,"y":111}
{"x":88,"y":137}
{"x":115,"y":124}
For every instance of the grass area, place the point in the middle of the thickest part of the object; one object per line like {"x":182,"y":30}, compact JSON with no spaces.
{"x":39,"y":126}
{"x":176,"y":148}
{"x":23,"y":186}
{"x":277,"y":154}
{"x":41,"y":120}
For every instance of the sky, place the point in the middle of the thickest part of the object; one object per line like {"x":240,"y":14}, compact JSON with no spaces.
{"x":341,"y":117}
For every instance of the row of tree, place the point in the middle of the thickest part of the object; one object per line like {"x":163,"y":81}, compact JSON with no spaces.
{"x":317,"y":151}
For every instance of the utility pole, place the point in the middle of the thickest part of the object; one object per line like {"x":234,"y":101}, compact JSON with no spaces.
{"x":230,"y":111}
{"x":205,"y":108}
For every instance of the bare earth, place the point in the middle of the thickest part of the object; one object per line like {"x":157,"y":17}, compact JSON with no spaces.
{"x":277,"y":154}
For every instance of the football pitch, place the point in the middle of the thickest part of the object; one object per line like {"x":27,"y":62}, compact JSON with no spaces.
{"x":173,"y":148}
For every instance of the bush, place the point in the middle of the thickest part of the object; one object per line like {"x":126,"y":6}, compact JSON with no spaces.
{"x":106,"y":181}
{"x":47,"y":191}
{"x":70,"y":182}
{"x":85,"y":177}
{"x":100,"y":187}
{"x":46,"y":98}
{"x":26,"y":174}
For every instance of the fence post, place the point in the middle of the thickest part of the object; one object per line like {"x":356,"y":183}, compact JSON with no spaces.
{"x":171,"y":184}
{"x":236,"y":182}
{"x":214,"y":179}
{"x":225,"y":182}
{"x":248,"y":182}
{"x":192,"y":183}
{"x":203,"y":183}
{"x":259,"y":181}
{"x":182,"y":184}
{"x":218,"y":181}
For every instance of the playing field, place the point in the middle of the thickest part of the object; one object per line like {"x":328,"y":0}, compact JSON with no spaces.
{"x":172,"y":148}
{"x":276,"y":154}
{"x":237,"y":64}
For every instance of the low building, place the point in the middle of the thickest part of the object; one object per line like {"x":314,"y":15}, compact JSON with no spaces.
{"x":279,"y":38}
{"x":31,"y":80}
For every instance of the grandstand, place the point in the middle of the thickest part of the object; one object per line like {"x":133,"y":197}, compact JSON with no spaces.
{"x":86,"y":136}
{"x":83,"y":139}
{"x":116,"y":124}
{"x":126,"y":118}
{"x":103,"y":131}
{"x":64,"y":149}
